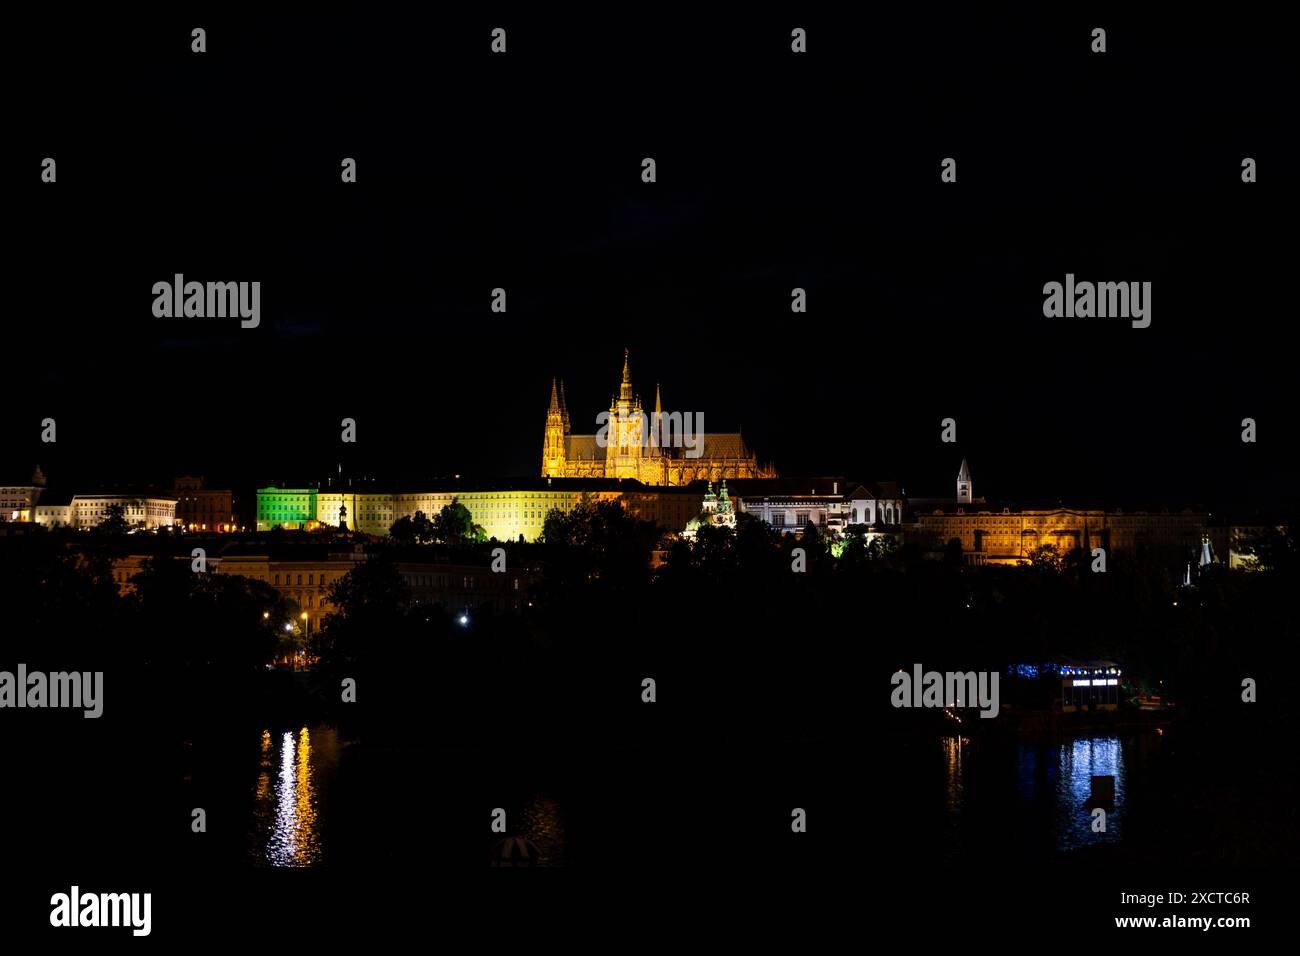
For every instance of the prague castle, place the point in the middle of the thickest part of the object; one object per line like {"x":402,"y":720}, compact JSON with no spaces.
{"x":655,"y":449}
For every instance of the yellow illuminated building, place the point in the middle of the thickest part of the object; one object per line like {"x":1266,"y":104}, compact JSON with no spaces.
{"x":505,"y":510}
{"x":655,"y":449}
{"x":1006,"y":533}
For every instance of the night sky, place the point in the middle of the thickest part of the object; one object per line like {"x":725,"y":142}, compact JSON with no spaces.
{"x":774,"y":171}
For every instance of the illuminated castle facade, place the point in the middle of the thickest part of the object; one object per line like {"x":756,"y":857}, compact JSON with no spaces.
{"x":1009,"y":533}
{"x":655,"y":449}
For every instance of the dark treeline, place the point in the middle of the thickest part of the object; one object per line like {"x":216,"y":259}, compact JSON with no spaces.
{"x":726,"y":626}
{"x":747,"y":654}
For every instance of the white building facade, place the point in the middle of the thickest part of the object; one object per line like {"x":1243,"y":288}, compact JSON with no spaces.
{"x":147,"y":512}
{"x":831,"y":505}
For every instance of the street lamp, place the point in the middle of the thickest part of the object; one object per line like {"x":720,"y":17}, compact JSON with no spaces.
{"x":304,"y":623}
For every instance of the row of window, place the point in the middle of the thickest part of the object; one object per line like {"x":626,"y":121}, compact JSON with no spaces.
{"x":800,"y":519}
{"x":311,"y":580}
{"x":414,"y":580}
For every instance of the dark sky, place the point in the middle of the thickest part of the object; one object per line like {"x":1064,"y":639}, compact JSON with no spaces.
{"x":774,"y":171}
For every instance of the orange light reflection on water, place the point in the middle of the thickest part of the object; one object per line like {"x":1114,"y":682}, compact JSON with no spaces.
{"x":287,"y":808}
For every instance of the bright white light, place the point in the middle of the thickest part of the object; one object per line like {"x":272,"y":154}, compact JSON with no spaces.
{"x":288,"y":627}
{"x":464,"y":619}
{"x":1083,"y":683}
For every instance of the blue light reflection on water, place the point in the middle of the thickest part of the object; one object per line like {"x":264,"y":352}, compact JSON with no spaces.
{"x":1080,"y":760}
{"x":1050,"y":785}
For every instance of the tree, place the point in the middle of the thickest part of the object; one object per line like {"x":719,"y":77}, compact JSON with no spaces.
{"x":425,"y":531}
{"x":569,"y":527}
{"x":857,"y":549}
{"x":369,"y":608}
{"x":714,"y":550}
{"x":454,"y":526}
{"x":403,"y":529}
{"x":1046,"y":556}
{"x":597,"y":542}
{"x":184,"y":619}
{"x":114,"y":522}
{"x":1274,"y":550}
{"x":58,"y":605}
{"x":417,"y":529}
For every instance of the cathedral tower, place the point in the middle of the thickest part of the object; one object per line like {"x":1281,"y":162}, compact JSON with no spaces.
{"x":553,"y":448}
{"x":626,"y":420}
{"x":964,"y":486}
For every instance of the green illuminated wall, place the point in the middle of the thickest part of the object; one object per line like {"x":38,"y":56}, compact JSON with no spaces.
{"x":287,"y":507}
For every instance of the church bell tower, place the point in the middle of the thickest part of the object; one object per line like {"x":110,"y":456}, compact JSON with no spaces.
{"x":553,"y":454}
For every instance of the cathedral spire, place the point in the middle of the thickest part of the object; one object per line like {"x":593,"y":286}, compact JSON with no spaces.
{"x":554,"y":446}
{"x":564,"y":407}
{"x":625,"y":389}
